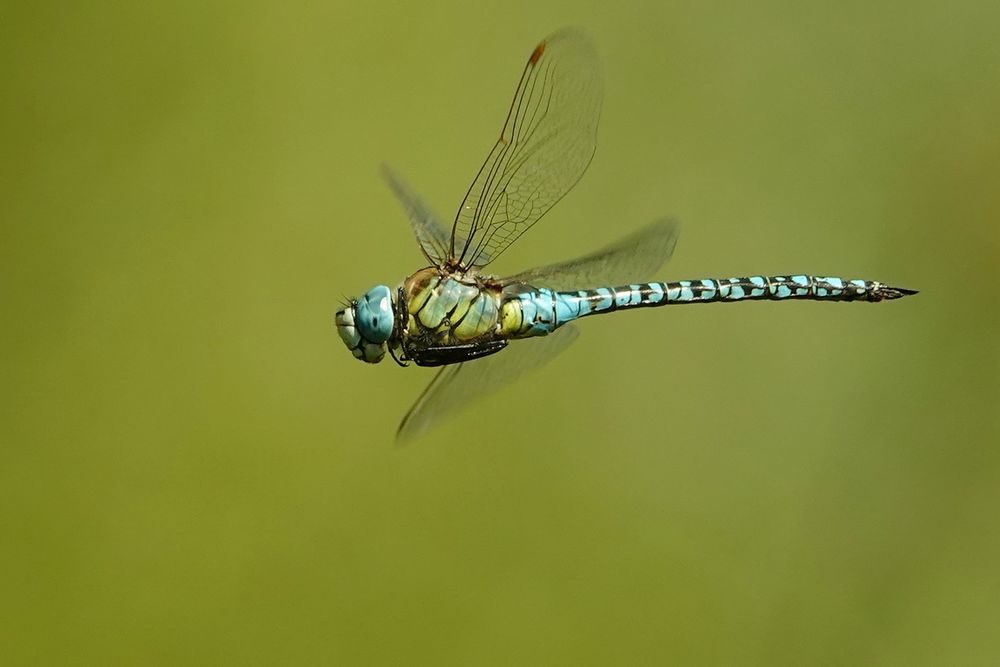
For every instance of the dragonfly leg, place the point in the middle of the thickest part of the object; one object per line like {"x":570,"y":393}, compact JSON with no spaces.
{"x":399,"y":359}
{"x":441,"y":355}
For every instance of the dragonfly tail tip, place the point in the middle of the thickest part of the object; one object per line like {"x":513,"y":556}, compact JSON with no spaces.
{"x":887,"y":292}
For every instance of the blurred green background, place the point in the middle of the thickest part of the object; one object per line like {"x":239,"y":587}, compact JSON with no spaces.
{"x":195,"y":471}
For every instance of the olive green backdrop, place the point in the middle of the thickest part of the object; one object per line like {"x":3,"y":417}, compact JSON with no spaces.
{"x":193,"y":470}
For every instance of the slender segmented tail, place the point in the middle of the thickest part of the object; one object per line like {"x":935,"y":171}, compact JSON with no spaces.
{"x":541,"y":311}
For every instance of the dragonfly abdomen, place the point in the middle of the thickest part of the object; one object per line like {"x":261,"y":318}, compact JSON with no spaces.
{"x":541,"y":311}
{"x":776,"y":288}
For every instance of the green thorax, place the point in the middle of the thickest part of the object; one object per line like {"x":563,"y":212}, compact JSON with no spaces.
{"x":451,"y":309}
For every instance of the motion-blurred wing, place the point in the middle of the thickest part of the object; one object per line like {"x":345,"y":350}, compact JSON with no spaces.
{"x":544,"y":148}
{"x":430,"y":233}
{"x":454,"y":387}
{"x":635,"y":258}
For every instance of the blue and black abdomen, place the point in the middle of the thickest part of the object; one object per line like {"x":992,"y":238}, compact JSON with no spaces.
{"x":538,"y":311}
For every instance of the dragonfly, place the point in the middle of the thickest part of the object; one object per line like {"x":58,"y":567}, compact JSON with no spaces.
{"x":455,"y":315}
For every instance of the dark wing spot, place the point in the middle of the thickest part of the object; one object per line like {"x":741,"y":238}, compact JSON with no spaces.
{"x":536,"y":54}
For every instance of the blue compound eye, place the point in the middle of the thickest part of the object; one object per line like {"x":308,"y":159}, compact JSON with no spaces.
{"x":373,"y":314}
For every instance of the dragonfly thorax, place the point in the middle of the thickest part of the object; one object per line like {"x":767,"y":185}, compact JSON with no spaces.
{"x":367,"y":324}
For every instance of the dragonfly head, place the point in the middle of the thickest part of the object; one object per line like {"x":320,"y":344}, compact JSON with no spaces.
{"x":367,"y":324}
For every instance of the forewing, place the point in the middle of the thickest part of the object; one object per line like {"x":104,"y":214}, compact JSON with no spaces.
{"x":544,"y":149}
{"x":431,"y":234}
{"x":454,"y":387}
{"x":635,"y":258}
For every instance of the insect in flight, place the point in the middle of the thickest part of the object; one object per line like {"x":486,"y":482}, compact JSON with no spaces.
{"x":454,"y":315}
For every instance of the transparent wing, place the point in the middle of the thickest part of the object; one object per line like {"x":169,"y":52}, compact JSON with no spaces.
{"x":544,"y":148}
{"x":431,"y":234}
{"x":635,"y":258}
{"x":454,"y":387}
